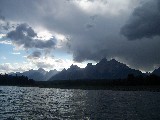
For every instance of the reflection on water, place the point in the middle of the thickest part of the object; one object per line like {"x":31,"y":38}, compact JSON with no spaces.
{"x":55,"y":104}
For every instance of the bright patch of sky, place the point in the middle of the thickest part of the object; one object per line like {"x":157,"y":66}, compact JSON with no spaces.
{"x":14,"y":59}
{"x":103,"y":7}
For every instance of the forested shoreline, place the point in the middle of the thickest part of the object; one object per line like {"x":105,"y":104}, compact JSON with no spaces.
{"x":151,"y":82}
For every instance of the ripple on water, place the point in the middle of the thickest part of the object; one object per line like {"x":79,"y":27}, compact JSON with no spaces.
{"x":43,"y":103}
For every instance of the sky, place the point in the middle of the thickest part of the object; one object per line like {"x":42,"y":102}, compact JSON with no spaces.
{"x":53,"y":34}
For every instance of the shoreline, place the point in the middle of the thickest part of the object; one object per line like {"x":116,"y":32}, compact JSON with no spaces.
{"x":113,"y":88}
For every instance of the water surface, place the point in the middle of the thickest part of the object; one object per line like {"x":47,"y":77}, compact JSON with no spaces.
{"x":25,"y":103}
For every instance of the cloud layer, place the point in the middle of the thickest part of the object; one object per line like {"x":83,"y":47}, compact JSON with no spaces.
{"x":95,"y":29}
{"x":144,"y":22}
{"x":25,"y":36}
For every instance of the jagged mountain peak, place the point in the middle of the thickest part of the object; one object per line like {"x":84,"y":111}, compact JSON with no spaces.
{"x":104,"y":60}
{"x":53,"y":70}
{"x":41,"y":70}
{"x":73,"y":67}
{"x":103,"y":70}
{"x":89,"y":65}
{"x":156,"y":71}
{"x":64,"y":69}
{"x":114,"y":61}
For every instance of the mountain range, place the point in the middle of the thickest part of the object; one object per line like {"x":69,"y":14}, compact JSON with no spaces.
{"x":37,"y":75}
{"x":103,"y":70}
{"x":156,"y":72}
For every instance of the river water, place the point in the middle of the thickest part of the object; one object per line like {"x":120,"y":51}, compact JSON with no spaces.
{"x":31,"y":103}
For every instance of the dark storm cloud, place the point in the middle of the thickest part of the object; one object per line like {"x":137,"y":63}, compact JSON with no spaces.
{"x":144,"y":22}
{"x":81,"y":54}
{"x":22,"y":31}
{"x":25,"y":36}
{"x":143,"y":55}
{"x":35,"y":55}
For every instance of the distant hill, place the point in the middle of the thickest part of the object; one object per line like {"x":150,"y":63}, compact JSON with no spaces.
{"x":37,"y":75}
{"x":103,"y":70}
{"x":156,"y":72}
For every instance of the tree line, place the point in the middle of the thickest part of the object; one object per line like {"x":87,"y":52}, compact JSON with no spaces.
{"x":131,"y":80}
{"x":16,"y":80}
